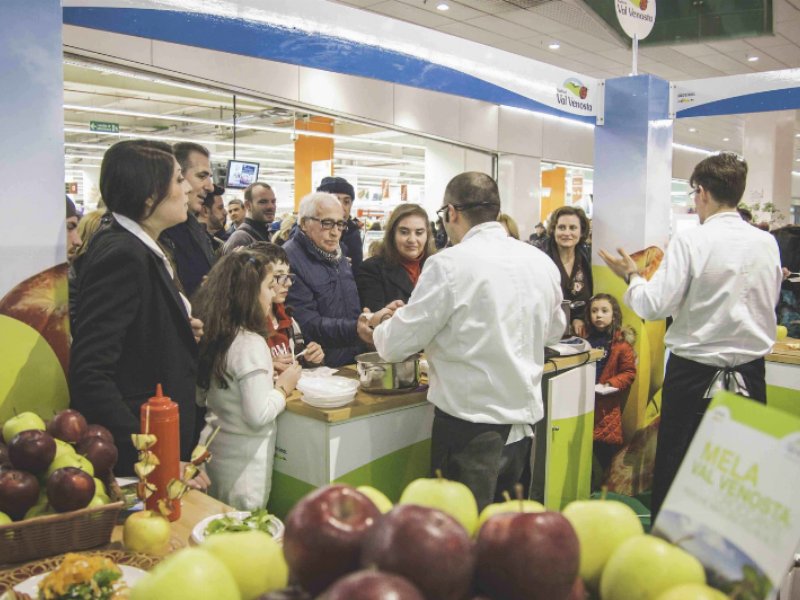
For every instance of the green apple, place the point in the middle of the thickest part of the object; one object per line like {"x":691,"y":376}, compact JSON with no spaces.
{"x":780,"y":334}
{"x":146,"y":531}
{"x":692,"y":591}
{"x":4,"y":519}
{"x":644,"y":567}
{"x":100,"y":491}
{"x":189,"y":574}
{"x":70,"y":460}
{"x":601,"y":525}
{"x":63,"y":448}
{"x":521,"y":506}
{"x":22,"y":422}
{"x":378,"y":498}
{"x":254,"y":559}
{"x":40,"y":509}
{"x":451,"y":497}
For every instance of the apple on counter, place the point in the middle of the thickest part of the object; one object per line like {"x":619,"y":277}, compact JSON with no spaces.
{"x":378,"y":498}
{"x":372,"y":585}
{"x":146,"y":531}
{"x":509,"y":506}
{"x":451,"y":497}
{"x":189,"y":574}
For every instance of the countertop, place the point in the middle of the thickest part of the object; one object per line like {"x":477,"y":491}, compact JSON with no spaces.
{"x":786,"y":351}
{"x":366,"y":404}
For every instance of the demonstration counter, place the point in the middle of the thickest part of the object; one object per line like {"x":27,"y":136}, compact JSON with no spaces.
{"x":783,"y":376}
{"x":384,"y":440}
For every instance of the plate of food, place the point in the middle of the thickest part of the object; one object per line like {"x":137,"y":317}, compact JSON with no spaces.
{"x":239,"y":520}
{"x":99,"y":574}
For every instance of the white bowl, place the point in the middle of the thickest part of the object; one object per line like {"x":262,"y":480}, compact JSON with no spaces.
{"x":327,"y":387}
{"x":276,"y":527}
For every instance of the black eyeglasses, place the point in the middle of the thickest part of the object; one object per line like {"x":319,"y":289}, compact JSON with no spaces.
{"x":441,"y":211}
{"x":328,"y":224}
{"x":285,"y":279}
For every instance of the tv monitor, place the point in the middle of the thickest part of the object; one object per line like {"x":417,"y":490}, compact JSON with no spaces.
{"x":241,"y":174}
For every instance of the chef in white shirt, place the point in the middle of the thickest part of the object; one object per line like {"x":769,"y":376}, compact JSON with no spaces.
{"x":720,"y":282}
{"x":483,"y":311}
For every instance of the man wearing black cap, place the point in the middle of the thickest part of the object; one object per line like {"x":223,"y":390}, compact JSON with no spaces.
{"x":351,"y":239}
{"x":212,"y":215}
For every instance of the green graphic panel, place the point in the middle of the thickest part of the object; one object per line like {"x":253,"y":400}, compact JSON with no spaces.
{"x":393,"y":472}
{"x":569,"y":461}
{"x":285,"y":492}
{"x":784,"y":399}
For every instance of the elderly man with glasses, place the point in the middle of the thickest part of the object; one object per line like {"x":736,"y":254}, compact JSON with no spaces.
{"x":324,"y":296}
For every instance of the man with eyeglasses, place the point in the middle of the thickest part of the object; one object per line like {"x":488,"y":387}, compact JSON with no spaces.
{"x":483,"y":311}
{"x":260,"y":205}
{"x":352,"y":243}
{"x":324,"y":296}
{"x":720,"y":283}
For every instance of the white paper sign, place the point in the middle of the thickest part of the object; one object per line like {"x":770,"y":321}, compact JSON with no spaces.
{"x":636,"y":17}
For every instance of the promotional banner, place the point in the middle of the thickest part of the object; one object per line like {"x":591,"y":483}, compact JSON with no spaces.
{"x":34,"y":317}
{"x":333,"y":37}
{"x":636,"y":17}
{"x":732,"y":504}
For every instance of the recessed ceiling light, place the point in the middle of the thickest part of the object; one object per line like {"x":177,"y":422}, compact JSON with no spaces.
{"x":692,"y":130}
{"x":554,"y":45}
{"x":752,"y":58}
{"x":726,"y":139}
{"x":442,"y":6}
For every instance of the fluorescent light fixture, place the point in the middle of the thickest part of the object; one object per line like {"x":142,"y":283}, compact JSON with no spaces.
{"x":442,"y":6}
{"x":726,"y":139}
{"x":752,"y":58}
{"x":554,"y":45}
{"x":692,"y":130}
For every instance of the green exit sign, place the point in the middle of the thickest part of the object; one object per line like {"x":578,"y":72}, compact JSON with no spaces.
{"x":104,"y":127}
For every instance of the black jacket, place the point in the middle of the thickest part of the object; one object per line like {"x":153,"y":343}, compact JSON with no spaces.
{"x":130,"y":332}
{"x":583,"y":256}
{"x":191,"y":252}
{"x":353,"y":245}
{"x":380,"y":282}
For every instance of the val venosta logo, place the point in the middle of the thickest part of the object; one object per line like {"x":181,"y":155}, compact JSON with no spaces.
{"x":640,"y":4}
{"x":576,"y":87}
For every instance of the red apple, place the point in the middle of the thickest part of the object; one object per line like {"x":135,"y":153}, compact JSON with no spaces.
{"x":372,"y":585}
{"x":32,"y":450}
{"x":98,"y":431}
{"x":527,"y":556}
{"x":101,"y":453}
{"x":289,"y":593}
{"x":68,"y":425}
{"x":323,"y":535}
{"x":428,"y":547}
{"x":578,"y":591}
{"x":4,"y":460}
{"x":69,"y":488}
{"x":18,"y":492}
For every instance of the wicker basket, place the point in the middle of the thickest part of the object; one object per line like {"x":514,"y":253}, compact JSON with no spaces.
{"x":66,"y":532}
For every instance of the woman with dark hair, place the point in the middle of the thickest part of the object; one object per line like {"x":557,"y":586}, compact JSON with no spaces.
{"x":568,"y":229}
{"x":132,"y":327}
{"x":235,"y":377}
{"x":394,"y":270}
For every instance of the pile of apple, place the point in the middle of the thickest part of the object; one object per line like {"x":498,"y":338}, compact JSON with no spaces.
{"x":54,"y":467}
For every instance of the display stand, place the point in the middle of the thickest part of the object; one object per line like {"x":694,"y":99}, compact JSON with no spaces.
{"x":783,"y":376}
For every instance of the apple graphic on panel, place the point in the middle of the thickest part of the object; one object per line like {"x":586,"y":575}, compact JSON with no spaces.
{"x":692,"y":591}
{"x":188,"y":574}
{"x":452,"y":497}
{"x":69,"y":488}
{"x":101,"y":453}
{"x":254,"y":559}
{"x":426,"y":546}
{"x":645,"y":566}
{"x":323,"y":535}
{"x":378,"y":498}
{"x":99,"y":431}
{"x":22,"y":422}
{"x":146,"y":531}
{"x":372,"y":585}
{"x":68,"y":425}
{"x":527,"y":556}
{"x":19,"y":491}
{"x":32,"y":450}
{"x":513,"y":506}
{"x":601,"y":525}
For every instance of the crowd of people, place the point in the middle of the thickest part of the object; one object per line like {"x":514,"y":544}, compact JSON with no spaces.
{"x":162,"y":292}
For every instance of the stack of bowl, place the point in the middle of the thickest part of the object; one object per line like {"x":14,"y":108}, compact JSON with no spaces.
{"x":327,"y":392}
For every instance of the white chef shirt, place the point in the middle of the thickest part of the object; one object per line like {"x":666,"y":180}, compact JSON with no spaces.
{"x":483,"y":311}
{"x":720,"y":282}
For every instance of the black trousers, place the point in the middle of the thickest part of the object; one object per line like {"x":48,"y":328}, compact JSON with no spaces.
{"x":476,"y":454}
{"x":682,"y":409}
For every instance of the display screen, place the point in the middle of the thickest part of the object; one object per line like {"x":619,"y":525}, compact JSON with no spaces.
{"x":241,"y":174}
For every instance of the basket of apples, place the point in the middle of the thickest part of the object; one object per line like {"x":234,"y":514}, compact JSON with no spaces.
{"x":57,"y":490}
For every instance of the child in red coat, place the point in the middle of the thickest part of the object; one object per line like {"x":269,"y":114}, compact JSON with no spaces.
{"x":615,"y":373}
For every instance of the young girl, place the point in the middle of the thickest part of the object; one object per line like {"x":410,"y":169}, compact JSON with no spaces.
{"x":235,"y":378}
{"x":616,"y":369}
{"x":285,"y":339}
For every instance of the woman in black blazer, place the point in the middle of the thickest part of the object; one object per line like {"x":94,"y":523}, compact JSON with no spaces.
{"x":393,"y":272}
{"x":131,"y":326}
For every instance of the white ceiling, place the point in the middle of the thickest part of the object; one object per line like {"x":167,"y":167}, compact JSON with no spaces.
{"x":590,"y":47}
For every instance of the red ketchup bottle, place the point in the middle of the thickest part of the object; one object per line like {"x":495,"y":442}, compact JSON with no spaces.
{"x":164,"y":424}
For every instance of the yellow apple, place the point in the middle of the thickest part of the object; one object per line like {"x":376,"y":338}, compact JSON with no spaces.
{"x":254,"y":559}
{"x":4,"y":519}
{"x":692,"y":591}
{"x":521,"y":506}
{"x":378,"y":498}
{"x":146,"y":531}
{"x":644,"y":567}
{"x":451,"y":497}
{"x":189,"y":574}
{"x":601,"y":525}
{"x":781,"y":333}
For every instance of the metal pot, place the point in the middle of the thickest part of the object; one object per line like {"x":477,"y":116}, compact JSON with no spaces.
{"x":381,"y":377}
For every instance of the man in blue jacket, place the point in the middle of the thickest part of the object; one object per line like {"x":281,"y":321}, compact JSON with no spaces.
{"x":324,"y":296}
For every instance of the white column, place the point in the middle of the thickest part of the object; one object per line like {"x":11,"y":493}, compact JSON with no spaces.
{"x":520,"y":190}
{"x":442,"y":163}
